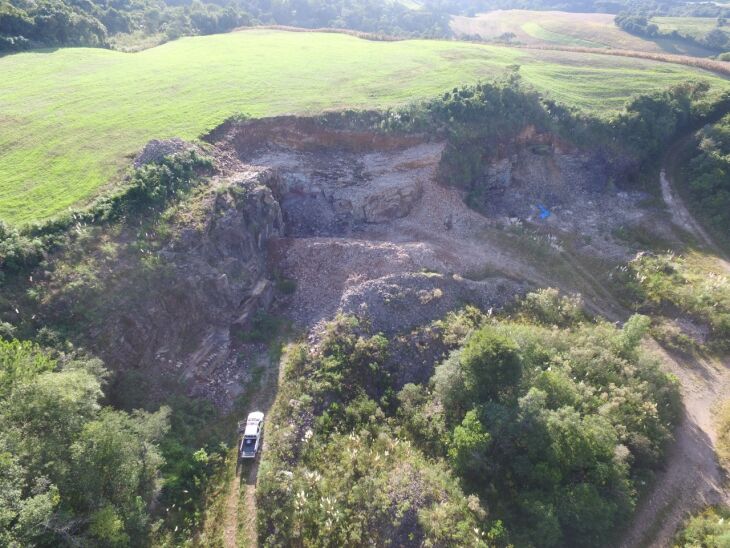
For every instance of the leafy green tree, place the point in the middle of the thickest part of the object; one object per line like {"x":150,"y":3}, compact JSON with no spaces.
{"x":491,"y":365}
{"x":71,"y":471}
{"x":468,"y":449}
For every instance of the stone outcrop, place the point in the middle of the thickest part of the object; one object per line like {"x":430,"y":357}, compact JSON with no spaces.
{"x":210,"y":280}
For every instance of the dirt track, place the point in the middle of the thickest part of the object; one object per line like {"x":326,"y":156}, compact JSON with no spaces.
{"x":239,"y":528}
{"x":692,"y":478}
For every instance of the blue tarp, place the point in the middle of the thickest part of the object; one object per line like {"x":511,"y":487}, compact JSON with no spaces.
{"x":544,"y":212}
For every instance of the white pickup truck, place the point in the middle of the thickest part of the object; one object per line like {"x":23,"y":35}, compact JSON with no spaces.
{"x":250,"y":431}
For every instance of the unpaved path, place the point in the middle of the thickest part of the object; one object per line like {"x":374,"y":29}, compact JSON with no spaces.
{"x":683,"y":218}
{"x":240,"y":510}
{"x":692,"y":477}
{"x":678,"y":210}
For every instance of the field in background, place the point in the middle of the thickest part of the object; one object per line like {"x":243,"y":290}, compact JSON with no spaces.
{"x":559,"y":28}
{"x":70,"y":119}
{"x":695,"y":27}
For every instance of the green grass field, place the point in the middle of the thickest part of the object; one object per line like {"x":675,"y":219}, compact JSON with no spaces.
{"x":695,"y":27}
{"x":559,"y":28}
{"x":70,"y":119}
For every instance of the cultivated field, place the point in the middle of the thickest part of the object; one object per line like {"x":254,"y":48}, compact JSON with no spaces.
{"x":71,"y":118}
{"x":559,"y":28}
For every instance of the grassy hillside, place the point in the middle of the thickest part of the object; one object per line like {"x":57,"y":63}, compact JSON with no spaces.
{"x":559,"y":28}
{"x":70,"y":118}
{"x":694,"y":27}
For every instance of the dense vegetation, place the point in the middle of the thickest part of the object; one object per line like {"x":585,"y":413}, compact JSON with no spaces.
{"x":72,"y":472}
{"x":537,"y":430}
{"x":28,"y":24}
{"x":708,"y":177}
{"x":75,"y":471}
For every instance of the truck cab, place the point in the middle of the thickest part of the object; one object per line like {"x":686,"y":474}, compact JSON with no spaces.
{"x":250,"y":431}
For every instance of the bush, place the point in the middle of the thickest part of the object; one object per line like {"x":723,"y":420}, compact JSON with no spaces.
{"x":694,"y":284}
{"x":548,"y":307}
{"x":710,"y":529}
{"x":491,"y":365}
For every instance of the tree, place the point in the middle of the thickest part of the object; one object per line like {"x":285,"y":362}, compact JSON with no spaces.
{"x":491,"y":365}
{"x":467,"y":452}
{"x":71,"y":471}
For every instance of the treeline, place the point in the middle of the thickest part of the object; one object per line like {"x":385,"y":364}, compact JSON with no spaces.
{"x":671,"y":7}
{"x":75,"y":471}
{"x":27,"y":24}
{"x":538,"y":429}
{"x":708,"y":178}
{"x":374,"y":16}
{"x":675,"y":8}
{"x":47,"y":23}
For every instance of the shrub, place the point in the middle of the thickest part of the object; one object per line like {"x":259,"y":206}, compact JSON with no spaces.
{"x":710,"y":529}
{"x":491,"y":365}
{"x":548,"y":307}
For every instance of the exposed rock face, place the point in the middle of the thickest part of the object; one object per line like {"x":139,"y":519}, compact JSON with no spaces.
{"x":333,"y":180}
{"x":213,"y":279}
{"x":574,"y":191}
{"x":542,"y":174}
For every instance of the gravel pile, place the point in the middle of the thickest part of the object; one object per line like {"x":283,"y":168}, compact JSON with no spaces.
{"x":401,"y":302}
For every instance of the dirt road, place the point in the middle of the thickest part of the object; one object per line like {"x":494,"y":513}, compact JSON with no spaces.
{"x":683,"y":218}
{"x":692,"y":477}
{"x":240,"y":508}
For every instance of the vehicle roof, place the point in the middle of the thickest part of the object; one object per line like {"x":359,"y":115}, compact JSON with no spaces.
{"x":252,"y":423}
